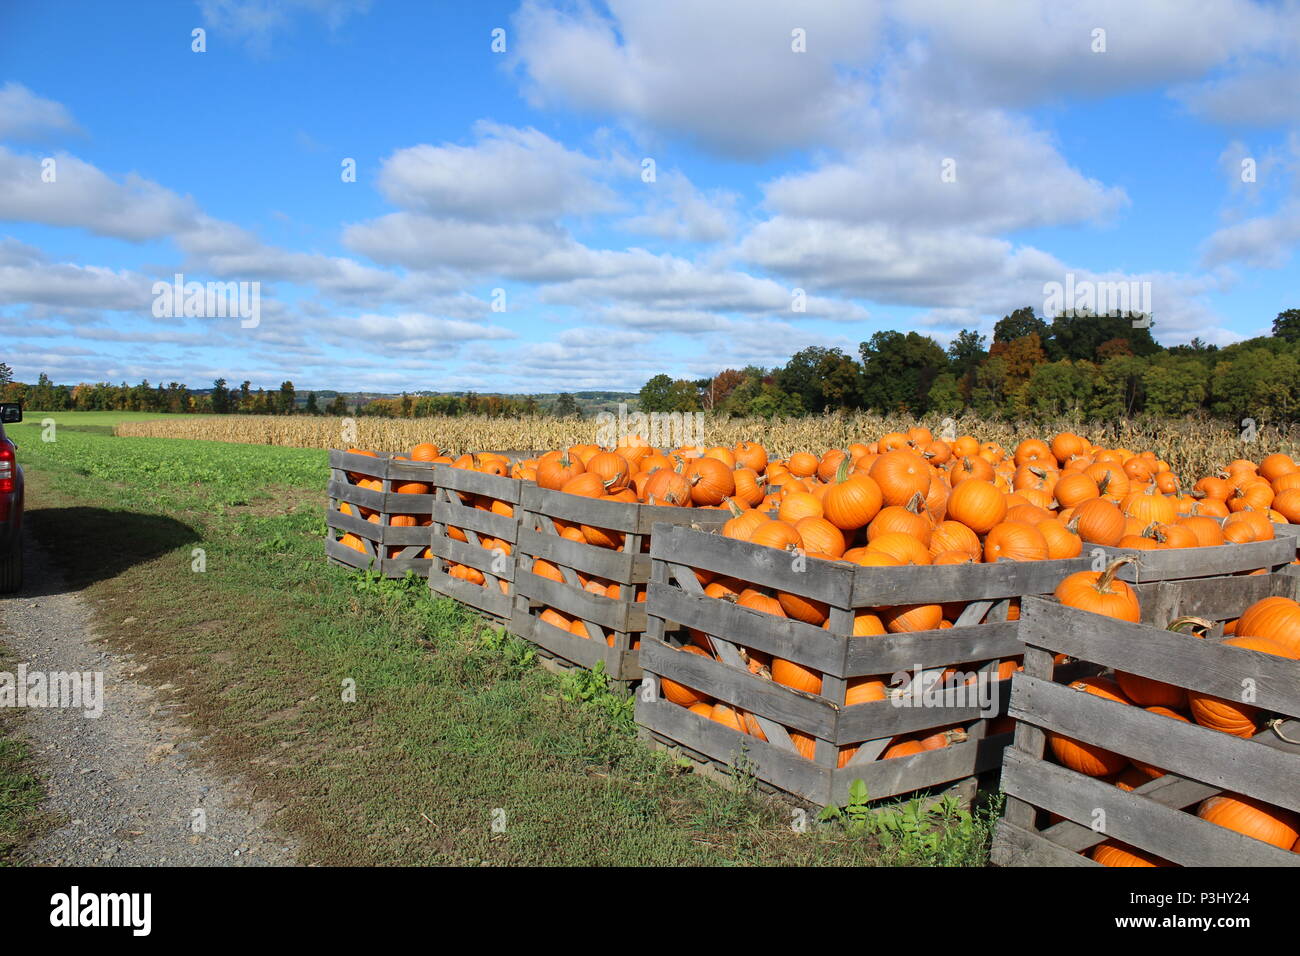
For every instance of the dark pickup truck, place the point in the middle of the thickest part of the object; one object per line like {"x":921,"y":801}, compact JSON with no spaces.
{"x":11,"y":504}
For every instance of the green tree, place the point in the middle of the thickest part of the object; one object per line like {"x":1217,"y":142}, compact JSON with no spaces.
{"x":310,"y":407}
{"x":220,"y":397}
{"x":1287,"y":325}
{"x":1018,"y":324}
{"x":286,"y":400}
{"x":657,"y":394}
{"x":945,"y":397}
{"x":566,"y":406}
{"x":899,"y":369}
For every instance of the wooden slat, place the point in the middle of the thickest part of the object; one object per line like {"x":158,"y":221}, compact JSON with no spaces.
{"x":792,"y":640}
{"x":791,"y":708}
{"x":485,"y":598}
{"x":940,"y":648}
{"x":616,"y":615}
{"x":474,"y":519}
{"x":585,"y":652}
{"x":475,"y":482}
{"x":1227,"y":762}
{"x":362,"y":497}
{"x":1175,"y":658}
{"x":473,"y":556}
{"x":1180,"y":563}
{"x":1015,"y":846}
{"x":820,"y":580}
{"x":899,"y":775}
{"x":1176,"y":836}
{"x":959,"y":582}
{"x":786,"y":771}
{"x":883,"y":718}
{"x":617,"y":566}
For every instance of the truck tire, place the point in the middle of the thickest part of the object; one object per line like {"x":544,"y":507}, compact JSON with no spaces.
{"x":11,"y":571}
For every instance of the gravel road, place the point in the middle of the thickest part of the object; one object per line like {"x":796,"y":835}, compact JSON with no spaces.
{"x":122,"y":786}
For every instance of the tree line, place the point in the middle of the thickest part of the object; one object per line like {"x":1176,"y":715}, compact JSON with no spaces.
{"x":1085,"y":365}
{"x":243,"y":399}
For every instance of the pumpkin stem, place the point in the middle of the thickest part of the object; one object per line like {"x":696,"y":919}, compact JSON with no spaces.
{"x":842,"y":471}
{"x":1198,"y":623}
{"x":1108,"y":576}
{"x":917,"y":504}
{"x":1103,"y":484}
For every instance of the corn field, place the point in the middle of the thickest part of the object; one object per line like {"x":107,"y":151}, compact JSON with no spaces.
{"x":1193,"y":447}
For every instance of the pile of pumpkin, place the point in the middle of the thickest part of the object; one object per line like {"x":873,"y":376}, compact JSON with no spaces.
{"x":1270,"y":626}
{"x":909,"y":499}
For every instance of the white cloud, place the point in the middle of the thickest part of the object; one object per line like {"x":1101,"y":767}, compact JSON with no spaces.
{"x":677,"y":211}
{"x":509,"y":175}
{"x":24,"y":115}
{"x":724,"y":75}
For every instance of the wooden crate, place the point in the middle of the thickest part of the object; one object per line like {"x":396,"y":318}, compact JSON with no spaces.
{"x":982,"y":636}
{"x":389,"y":550}
{"x":450,"y":511}
{"x":1182,"y":563}
{"x":614,"y":626}
{"x":1200,"y":762}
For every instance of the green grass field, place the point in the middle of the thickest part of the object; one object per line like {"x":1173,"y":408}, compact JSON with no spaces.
{"x":452,"y":721}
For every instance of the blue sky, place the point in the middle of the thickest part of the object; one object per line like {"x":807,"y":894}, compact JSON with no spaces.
{"x":522,"y":171}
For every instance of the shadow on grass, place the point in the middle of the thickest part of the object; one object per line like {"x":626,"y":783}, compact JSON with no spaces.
{"x":93,"y":544}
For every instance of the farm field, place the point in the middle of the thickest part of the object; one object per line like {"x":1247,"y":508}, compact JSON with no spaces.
{"x":451,"y":721}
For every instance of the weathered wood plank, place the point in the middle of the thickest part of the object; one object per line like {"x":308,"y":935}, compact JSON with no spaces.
{"x":1227,"y":762}
{"x":793,"y":640}
{"x":1215,"y":561}
{"x":820,"y":580}
{"x":805,"y":712}
{"x":1195,"y":663}
{"x":899,"y":775}
{"x":617,"y":566}
{"x":487,"y":598}
{"x":585,"y":652}
{"x":474,"y":519}
{"x":616,"y":615}
{"x":1016,"y":846}
{"x":958,"y":645}
{"x":1176,"y":836}
{"x":788,"y":772}
{"x":476,"y":482}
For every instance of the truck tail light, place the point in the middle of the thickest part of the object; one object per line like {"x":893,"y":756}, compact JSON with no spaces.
{"x":8,"y":468}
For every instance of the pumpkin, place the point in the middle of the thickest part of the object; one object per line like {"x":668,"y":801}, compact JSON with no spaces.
{"x":711,"y":481}
{"x":977,"y":504}
{"x":1115,"y":853}
{"x":1252,"y":818}
{"x":1099,"y":592}
{"x":554,"y":473}
{"x":1014,"y":541}
{"x":796,"y":676}
{"x":901,"y":475}
{"x":1097,"y":521}
{"x":852,"y":500}
{"x":1275,"y":618}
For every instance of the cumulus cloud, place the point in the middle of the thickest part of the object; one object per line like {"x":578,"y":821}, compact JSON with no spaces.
{"x":24,"y":115}
{"x":723,"y":75}
{"x":509,"y":175}
{"x":81,"y":196}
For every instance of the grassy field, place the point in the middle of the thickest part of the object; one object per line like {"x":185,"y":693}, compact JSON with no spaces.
{"x":1193,"y":447}
{"x":452,"y":721}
